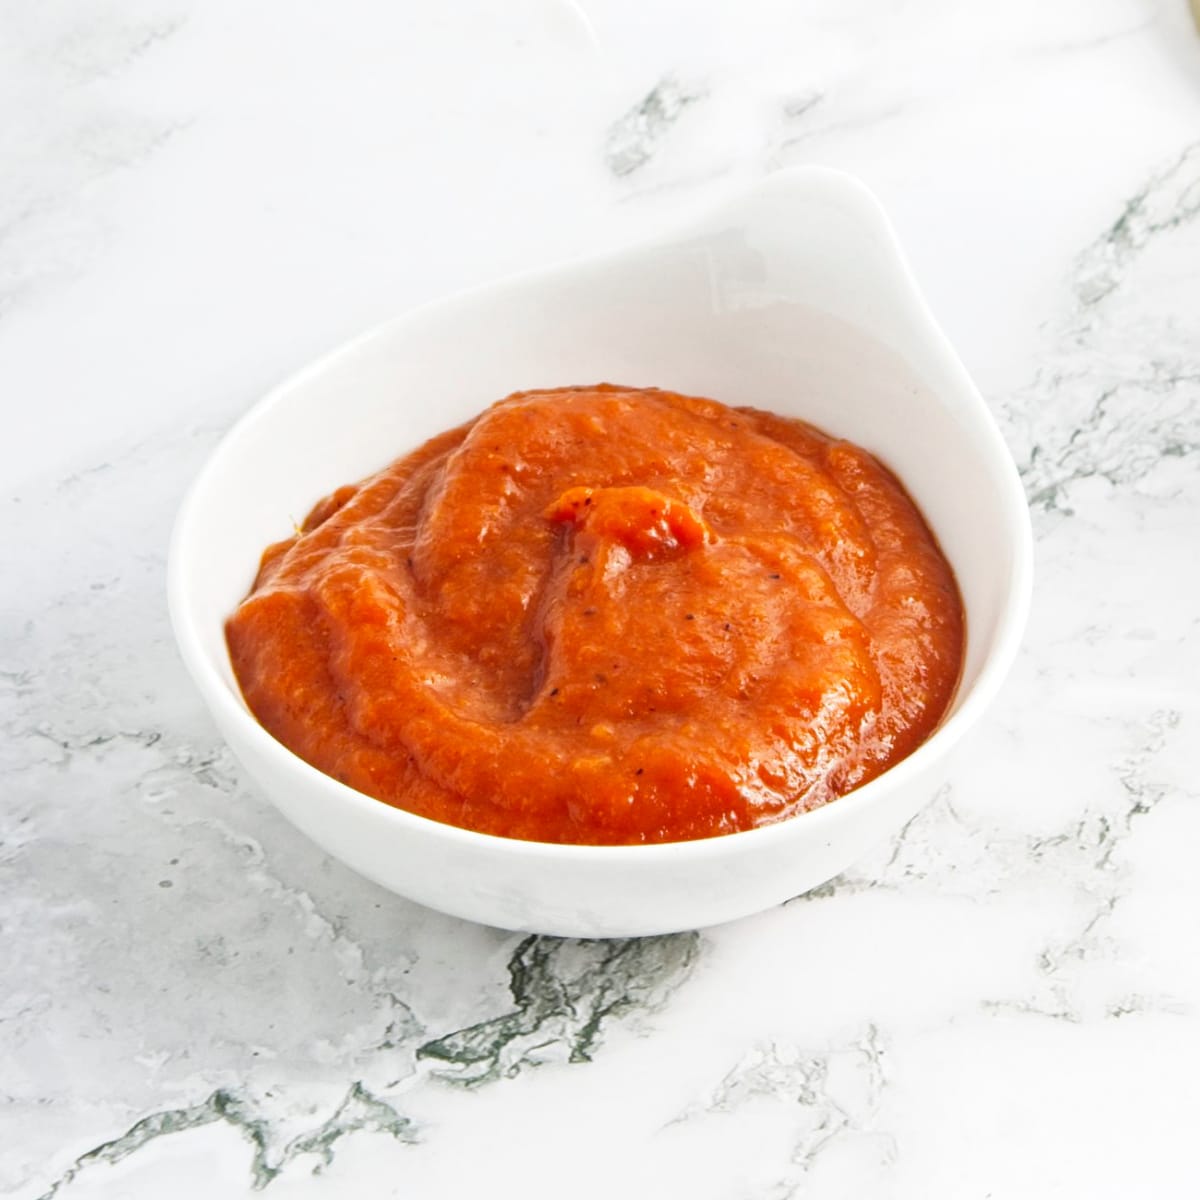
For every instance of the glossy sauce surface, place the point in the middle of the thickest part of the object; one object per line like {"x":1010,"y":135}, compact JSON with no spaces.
{"x":607,"y":615}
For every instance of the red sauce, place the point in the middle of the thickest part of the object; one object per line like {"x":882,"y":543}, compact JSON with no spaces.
{"x":607,"y":615}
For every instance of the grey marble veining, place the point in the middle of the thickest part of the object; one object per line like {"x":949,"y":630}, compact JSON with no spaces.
{"x":633,"y":139}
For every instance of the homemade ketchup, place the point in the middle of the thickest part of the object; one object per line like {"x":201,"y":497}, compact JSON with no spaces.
{"x":607,"y":615}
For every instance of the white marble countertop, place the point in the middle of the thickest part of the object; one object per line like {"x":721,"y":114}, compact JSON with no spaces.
{"x":196,"y":198}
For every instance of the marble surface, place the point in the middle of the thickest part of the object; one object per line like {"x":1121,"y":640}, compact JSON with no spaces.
{"x":197,"y":198}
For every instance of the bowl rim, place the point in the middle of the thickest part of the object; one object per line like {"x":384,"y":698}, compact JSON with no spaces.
{"x":1010,"y":625}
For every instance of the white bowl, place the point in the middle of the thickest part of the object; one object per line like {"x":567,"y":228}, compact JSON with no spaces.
{"x":794,"y":297}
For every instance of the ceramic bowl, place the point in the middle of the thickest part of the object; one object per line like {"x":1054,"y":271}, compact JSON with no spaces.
{"x":793,"y":297}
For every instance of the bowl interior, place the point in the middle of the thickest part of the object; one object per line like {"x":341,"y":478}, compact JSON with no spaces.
{"x":794,"y":299}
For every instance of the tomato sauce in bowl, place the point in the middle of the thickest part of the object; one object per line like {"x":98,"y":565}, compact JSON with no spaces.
{"x":607,"y":615}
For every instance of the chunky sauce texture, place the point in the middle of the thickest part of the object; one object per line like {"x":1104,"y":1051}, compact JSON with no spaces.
{"x":607,"y":615}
